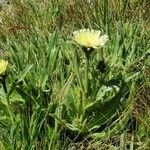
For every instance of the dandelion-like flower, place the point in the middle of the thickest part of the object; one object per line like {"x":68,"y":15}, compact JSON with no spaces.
{"x":90,"y":38}
{"x":3,"y":66}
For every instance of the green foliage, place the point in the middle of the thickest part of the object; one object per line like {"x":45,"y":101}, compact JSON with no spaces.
{"x":43,"y":99}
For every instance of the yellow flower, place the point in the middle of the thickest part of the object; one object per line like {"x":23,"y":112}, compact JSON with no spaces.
{"x":90,"y":38}
{"x":3,"y":66}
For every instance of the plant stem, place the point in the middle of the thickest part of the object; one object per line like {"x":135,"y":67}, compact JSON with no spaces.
{"x":86,"y":75}
{"x":83,"y":102}
{"x":77,"y":72}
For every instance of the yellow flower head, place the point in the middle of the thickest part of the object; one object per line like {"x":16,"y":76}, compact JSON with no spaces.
{"x":3,"y":66}
{"x":90,"y":38}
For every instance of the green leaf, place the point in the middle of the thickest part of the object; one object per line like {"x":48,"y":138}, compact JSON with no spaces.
{"x":103,"y":112}
{"x":22,"y":75}
{"x":16,"y":97}
{"x":3,"y":97}
{"x":121,"y":121}
{"x":65,"y":88}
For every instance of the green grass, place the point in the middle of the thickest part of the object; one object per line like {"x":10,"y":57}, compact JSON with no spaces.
{"x":43,"y":103}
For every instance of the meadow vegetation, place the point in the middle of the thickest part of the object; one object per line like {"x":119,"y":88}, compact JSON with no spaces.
{"x":49,"y":100}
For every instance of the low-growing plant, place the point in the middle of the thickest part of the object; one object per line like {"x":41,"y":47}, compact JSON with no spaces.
{"x":61,"y":90}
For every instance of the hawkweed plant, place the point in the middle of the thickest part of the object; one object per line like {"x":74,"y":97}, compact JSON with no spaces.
{"x":90,"y":41}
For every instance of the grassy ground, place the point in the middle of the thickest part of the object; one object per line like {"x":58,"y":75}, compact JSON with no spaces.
{"x":42,"y":103}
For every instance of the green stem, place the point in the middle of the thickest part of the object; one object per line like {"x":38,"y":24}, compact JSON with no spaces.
{"x":77,"y":72}
{"x":83,"y":102}
{"x":86,"y":76}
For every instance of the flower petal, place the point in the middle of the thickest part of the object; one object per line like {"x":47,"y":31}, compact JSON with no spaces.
{"x":3,"y":66}
{"x":90,"y":38}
